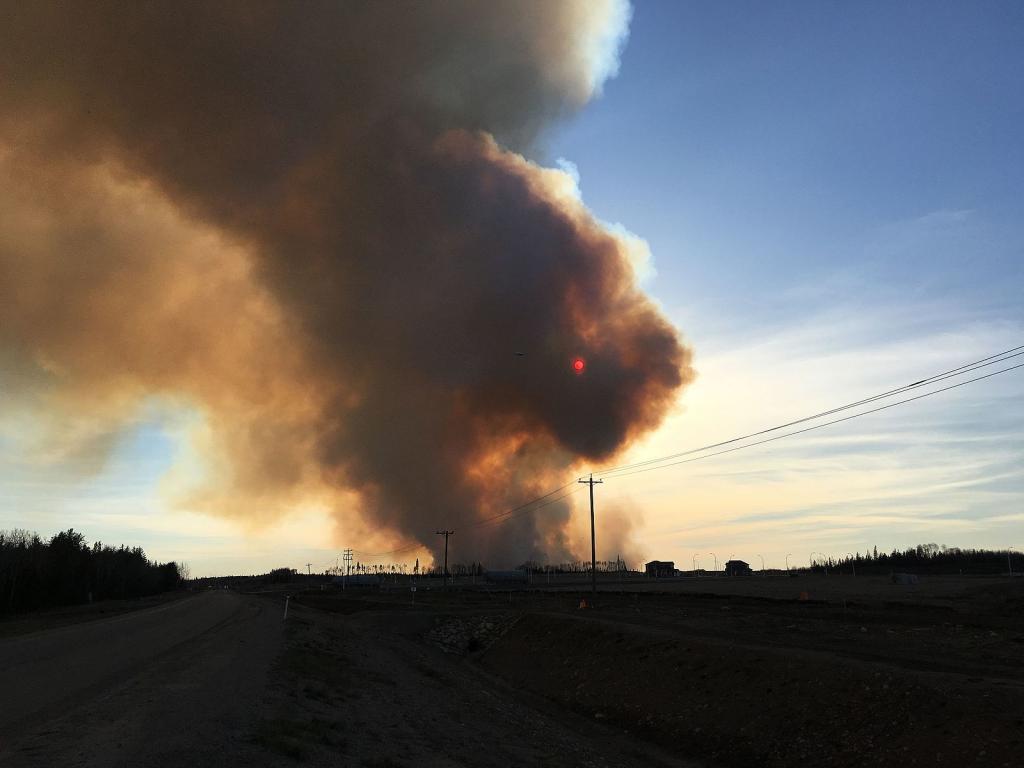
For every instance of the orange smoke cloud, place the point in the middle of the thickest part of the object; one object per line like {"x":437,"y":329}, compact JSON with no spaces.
{"x":317,"y":224}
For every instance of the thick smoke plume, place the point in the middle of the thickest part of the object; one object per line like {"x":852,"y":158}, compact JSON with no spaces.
{"x":316,"y":223}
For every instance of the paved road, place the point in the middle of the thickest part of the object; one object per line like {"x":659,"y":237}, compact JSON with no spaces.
{"x":173,"y":685}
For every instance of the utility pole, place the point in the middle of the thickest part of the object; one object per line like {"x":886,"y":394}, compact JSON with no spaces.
{"x":593,"y":543}
{"x":446,"y":534}
{"x":308,"y":566}
{"x":347,"y":558}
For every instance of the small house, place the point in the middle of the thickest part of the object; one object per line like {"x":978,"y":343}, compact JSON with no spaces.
{"x":737,"y":568}
{"x":660,"y":569}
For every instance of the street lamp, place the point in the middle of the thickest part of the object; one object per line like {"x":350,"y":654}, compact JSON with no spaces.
{"x":762,"y":561}
{"x":695,"y":561}
{"x":787,"y":561}
{"x":853,"y":564}
{"x":716,"y":560}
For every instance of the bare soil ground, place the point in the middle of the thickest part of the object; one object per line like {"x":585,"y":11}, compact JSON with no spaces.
{"x":748,"y":675}
{"x":735,"y":673}
{"x":376,"y":684}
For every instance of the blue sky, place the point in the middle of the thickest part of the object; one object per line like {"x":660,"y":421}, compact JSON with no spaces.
{"x":833,"y":194}
{"x":764,"y":148}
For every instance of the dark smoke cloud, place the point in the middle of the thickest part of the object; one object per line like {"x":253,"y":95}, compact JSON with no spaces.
{"x":316,"y":223}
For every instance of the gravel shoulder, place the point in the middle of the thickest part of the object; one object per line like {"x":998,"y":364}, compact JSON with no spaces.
{"x":53,"y":618}
{"x":177,"y":685}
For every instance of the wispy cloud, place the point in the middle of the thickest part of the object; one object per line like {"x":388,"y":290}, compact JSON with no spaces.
{"x":946,"y":468}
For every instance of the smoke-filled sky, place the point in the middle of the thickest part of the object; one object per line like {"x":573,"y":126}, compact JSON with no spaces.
{"x":318,"y":226}
{"x":277,"y":279}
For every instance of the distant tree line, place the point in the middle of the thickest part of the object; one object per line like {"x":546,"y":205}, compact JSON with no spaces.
{"x":66,"y":571}
{"x":925,"y":559}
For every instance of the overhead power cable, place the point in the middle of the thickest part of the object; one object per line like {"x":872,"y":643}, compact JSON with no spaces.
{"x":649,"y":465}
{"x":808,"y":429}
{"x":953,"y":372}
{"x":398,"y":551}
{"x":498,"y":518}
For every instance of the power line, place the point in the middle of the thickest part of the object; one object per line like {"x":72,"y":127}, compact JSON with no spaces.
{"x":522,"y":508}
{"x":809,"y":429}
{"x":958,"y":371}
{"x":659,"y":463}
{"x":398,"y":551}
{"x":498,"y":518}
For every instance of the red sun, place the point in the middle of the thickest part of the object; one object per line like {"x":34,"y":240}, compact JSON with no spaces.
{"x":578,"y":365}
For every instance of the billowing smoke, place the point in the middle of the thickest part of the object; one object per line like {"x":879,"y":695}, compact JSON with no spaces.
{"x":316,"y":223}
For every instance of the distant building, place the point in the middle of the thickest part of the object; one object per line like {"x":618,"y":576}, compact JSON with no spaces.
{"x":737,"y":568}
{"x":660,"y":569}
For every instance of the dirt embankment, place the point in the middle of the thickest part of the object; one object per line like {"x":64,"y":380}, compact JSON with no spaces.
{"x":794,"y":693}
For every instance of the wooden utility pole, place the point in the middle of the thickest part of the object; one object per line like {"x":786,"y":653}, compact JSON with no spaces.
{"x":593,"y":544}
{"x":446,"y":534}
{"x":347,"y":558}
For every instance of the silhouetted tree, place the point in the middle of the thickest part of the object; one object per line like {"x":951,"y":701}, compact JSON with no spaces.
{"x":66,"y":571}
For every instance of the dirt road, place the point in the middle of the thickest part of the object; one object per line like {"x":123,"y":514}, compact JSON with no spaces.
{"x":175,"y":685}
